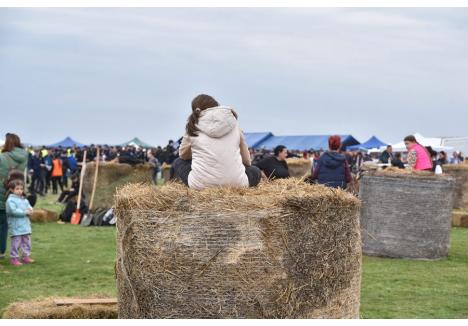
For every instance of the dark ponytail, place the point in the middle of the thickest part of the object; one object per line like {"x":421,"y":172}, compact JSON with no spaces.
{"x":199,"y":104}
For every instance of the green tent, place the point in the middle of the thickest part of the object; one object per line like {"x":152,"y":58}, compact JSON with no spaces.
{"x":137,"y":143}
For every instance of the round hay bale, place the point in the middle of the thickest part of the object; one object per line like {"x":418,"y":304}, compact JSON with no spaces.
{"x":41,"y":215}
{"x":110,"y":177}
{"x":406,"y":215}
{"x":460,"y":218}
{"x":283,"y":250}
{"x":460,"y":173}
{"x":45,"y":308}
{"x":299,"y":167}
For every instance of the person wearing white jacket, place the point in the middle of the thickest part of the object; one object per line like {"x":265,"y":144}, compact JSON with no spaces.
{"x":213,"y":151}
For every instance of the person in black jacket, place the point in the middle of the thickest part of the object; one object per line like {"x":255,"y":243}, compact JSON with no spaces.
{"x":397,"y":161}
{"x":332,"y":169}
{"x":275,"y":167}
{"x":386,"y":155}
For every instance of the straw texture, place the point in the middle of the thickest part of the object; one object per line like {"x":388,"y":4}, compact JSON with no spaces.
{"x":460,"y":173}
{"x":45,"y":308}
{"x":283,"y":250}
{"x":299,"y":167}
{"x":110,"y":177}
{"x":406,"y":215}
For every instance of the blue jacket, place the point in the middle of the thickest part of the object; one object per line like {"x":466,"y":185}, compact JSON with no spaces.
{"x":332,"y":170}
{"x":73,"y":164}
{"x":18,"y":221}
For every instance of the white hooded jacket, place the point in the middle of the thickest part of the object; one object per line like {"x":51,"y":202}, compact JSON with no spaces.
{"x":216,"y":151}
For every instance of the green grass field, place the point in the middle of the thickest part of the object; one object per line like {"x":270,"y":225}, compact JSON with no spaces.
{"x":76,"y":261}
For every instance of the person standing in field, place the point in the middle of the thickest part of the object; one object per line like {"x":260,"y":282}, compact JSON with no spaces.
{"x":18,"y":209}
{"x":57,"y":174}
{"x":419,"y":158}
{"x":13,"y":157}
{"x":332,"y":168}
{"x":213,"y":151}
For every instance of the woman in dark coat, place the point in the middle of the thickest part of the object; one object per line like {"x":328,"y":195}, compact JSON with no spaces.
{"x":332,"y":169}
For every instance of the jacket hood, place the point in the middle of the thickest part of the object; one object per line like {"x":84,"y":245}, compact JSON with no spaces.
{"x":333,"y":159}
{"x":217,"y":122}
{"x":18,"y":155}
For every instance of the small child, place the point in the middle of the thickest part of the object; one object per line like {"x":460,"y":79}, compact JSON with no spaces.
{"x":18,"y":209}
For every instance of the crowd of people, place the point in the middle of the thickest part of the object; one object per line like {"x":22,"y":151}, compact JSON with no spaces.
{"x":213,"y":152}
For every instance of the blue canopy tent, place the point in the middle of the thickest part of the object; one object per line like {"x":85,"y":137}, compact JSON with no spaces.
{"x":67,"y":142}
{"x":311,"y":142}
{"x":254,"y":138}
{"x":373,"y":142}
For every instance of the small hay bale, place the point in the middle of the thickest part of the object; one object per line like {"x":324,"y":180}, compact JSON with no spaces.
{"x":285,"y":249}
{"x":45,"y":308}
{"x":460,"y":173}
{"x":460,"y":218}
{"x":406,"y":215}
{"x":110,"y":177}
{"x":299,"y":167}
{"x":41,"y":215}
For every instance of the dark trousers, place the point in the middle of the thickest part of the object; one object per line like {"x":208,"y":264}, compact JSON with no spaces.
{"x":182,"y":169}
{"x":55,"y":181}
{"x":3,"y":231}
{"x":37,"y":186}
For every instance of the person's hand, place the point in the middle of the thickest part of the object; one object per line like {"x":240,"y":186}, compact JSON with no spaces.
{"x":29,"y":211}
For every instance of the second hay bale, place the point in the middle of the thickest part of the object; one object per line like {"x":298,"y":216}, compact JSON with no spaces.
{"x":299,"y":167}
{"x":45,"y":308}
{"x":282,"y":250}
{"x":460,"y":173}
{"x":406,"y":215}
{"x":110,"y":177}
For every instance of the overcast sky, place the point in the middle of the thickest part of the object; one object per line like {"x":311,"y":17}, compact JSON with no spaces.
{"x":106,"y":75}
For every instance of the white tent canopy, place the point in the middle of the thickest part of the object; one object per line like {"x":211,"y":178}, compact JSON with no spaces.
{"x":435,"y":143}
{"x":2,"y":142}
{"x":457,"y":143}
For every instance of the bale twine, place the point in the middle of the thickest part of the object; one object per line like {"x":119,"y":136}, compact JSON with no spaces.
{"x":283,"y":250}
{"x":460,"y":218}
{"x":460,"y":173}
{"x":406,"y":215}
{"x":299,"y":167}
{"x":110,"y":177}
{"x":45,"y":308}
{"x":41,"y":215}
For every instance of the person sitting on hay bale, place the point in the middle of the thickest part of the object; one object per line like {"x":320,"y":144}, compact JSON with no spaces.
{"x":332,"y":169}
{"x":418,"y":156}
{"x":213,"y":151}
{"x":275,"y":167}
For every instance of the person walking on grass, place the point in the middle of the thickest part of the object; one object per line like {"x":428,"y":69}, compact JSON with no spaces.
{"x":213,"y":151}
{"x":13,"y":156}
{"x":18,"y":209}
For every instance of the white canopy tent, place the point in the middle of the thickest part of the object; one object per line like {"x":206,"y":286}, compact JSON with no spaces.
{"x":457,"y":143}
{"x":2,"y":142}
{"x":435,"y":143}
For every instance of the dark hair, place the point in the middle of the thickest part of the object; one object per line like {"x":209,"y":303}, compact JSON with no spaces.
{"x":410,"y":138}
{"x":397,"y":155}
{"x":278,"y":149}
{"x":13,"y":183}
{"x":199,"y":103}
{"x":389,"y":146}
{"x":11,"y":141}
{"x":334,"y":142}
